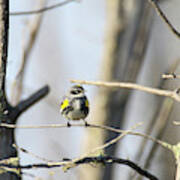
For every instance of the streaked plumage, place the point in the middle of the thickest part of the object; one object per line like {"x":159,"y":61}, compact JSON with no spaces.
{"x":75,"y":105}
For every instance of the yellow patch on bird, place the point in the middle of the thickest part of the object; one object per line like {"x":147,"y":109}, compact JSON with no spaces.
{"x":65,"y":103}
{"x":87,"y":103}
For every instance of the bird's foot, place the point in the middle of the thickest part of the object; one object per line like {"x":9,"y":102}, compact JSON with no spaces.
{"x":86,"y":124}
{"x":68,"y":124}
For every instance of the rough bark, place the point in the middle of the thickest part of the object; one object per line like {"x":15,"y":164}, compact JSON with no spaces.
{"x":6,"y":135}
{"x":8,"y":113}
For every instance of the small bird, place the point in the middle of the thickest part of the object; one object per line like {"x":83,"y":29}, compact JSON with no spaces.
{"x":75,"y":105}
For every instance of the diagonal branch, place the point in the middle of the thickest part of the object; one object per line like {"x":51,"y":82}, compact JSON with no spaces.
{"x":103,"y":127}
{"x":126,"y":85}
{"x":26,"y":104}
{"x":17,"y":86}
{"x":42,"y":9}
{"x":86,"y":160}
{"x":111,"y":160}
{"x":164,"y":18}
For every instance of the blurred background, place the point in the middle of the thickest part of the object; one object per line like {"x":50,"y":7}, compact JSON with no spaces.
{"x":119,"y":40}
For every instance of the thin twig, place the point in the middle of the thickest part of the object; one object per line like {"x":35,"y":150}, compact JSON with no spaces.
{"x":177,"y":123}
{"x":177,"y":169}
{"x":162,"y":121}
{"x":159,"y":120}
{"x":164,"y":18}
{"x":73,"y":162}
{"x":171,"y":76}
{"x":31,"y":153}
{"x":103,"y":127}
{"x":102,"y":147}
{"x":167,"y":93}
{"x":42,"y":9}
{"x":17,"y":86}
{"x":113,"y":141}
{"x":87,"y":160}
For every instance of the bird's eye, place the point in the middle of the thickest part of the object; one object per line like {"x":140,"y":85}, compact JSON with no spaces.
{"x":75,"y":92}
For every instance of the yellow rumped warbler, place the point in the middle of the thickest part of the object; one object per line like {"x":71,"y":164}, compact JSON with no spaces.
{"x":75,"y":105}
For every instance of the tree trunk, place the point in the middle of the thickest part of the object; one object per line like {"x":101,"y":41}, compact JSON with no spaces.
{"x":6,"y":135}
{"x":9,"y":113}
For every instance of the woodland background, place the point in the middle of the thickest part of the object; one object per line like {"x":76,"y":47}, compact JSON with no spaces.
{"x":119,"y":40}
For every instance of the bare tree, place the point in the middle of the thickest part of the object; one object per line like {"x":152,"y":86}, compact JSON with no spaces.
{"x":9,"y":113}
{"x":124,"y":51}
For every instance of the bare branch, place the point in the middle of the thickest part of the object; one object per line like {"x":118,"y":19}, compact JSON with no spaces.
{"x":26,"y":104}
{"x":164,"y":18}
{"x":113,"y":141}
{"x":177,"y":123}
{"x":31,"y":153}
{"x":171,"y":76}
{"x":87,"y":160}
{"x":160,"y":119}
{"x":177,"y":169}
{"x":42,"y":9}
{"x":17,"y":86}
{"x":167,"y":93}
{"x":103,"y":127}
